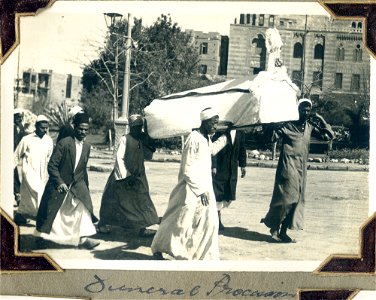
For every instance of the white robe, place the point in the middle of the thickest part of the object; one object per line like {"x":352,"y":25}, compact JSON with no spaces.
{"x":189,"y":230}
{"x":31,"y":157}
{"x":73,"y":220}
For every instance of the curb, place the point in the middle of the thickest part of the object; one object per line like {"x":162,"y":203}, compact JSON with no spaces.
{"x":104,"y":168}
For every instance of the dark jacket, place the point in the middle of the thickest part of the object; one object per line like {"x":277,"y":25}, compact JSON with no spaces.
{"x":60,"y":169}
{"x":18,"y":134}
{"x":65,"y":131}
{"x":227,"y":162}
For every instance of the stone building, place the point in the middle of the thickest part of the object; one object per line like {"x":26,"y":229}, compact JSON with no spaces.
{"x":47,"y":86}
{"x":213,"y":50}
{"x":320,"y":54}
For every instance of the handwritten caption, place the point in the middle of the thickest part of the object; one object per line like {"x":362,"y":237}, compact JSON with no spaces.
{"x":220,"y":286}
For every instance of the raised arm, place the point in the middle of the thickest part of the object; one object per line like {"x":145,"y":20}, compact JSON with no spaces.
{"x":322,"y":129}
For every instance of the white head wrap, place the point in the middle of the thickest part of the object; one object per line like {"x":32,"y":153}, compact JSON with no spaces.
{"x":135,"y":120}
{"x":75,"y":110}
{"x":208,"y":113}
{"x":41,"y":118}
{"x":304,"y":100}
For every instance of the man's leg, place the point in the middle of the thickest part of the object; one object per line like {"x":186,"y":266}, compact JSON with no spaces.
{"x":286,"y":224}
{"x":221,"y":226}
{"x":275,"y":234}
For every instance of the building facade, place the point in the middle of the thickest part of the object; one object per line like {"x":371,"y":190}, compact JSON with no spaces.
{"x":48,"y":87}
{"x":320,"y":54}
{"x":213,"y":50}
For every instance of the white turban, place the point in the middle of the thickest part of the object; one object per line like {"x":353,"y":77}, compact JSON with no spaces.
{"x":42,"y":118}
{"x":75,"y":110}
{"x":304,"y":100}
{"x":208,"y":113}
{"x":135,"y":120}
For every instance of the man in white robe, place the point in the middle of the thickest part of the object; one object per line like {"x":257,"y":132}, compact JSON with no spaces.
{"x":31,"y":158}
{"x":189,"y":228}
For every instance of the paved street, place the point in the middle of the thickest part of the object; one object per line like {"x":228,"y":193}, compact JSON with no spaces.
{"x":337,"y":204}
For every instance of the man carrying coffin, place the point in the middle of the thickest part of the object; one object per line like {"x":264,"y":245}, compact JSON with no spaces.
{"x":287,"y":204}
{"x":65,"y":214}
{"x":225,"y":170}
{"x":126,"y":198}
{"x":189,"y":228}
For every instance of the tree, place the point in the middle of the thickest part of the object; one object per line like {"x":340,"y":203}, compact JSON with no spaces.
{"x":164,"y":60}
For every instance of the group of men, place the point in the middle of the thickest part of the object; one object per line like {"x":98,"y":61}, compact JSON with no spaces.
{"x":206,"y":183}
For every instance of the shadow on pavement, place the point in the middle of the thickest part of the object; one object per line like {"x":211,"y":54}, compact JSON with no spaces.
{"x":244,"y":234}
{"x":120,"y":253}
{"x":29,"y":242}
{"x":128,"y":236}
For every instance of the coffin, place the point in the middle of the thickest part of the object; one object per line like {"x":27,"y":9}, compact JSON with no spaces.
{"x":269,"y":97}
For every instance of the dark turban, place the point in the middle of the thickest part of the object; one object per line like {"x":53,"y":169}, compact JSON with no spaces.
{"x":81,"y":118}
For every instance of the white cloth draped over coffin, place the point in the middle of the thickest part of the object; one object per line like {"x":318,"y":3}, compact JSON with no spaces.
{"x":270,"y":97}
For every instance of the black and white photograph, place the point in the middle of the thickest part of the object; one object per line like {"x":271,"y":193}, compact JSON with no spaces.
{"x":191,"y":135}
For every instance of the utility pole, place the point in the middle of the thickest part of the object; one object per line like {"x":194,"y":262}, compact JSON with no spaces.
{"x":128,"y":45}
{"x":121,"y":123}
{"x":302,"y":80}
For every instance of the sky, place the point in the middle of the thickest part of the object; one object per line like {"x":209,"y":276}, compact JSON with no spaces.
{"x":60,"y":38}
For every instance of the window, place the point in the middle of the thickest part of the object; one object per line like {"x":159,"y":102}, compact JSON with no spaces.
{"x":338,"y":81}
{"x":241,"y":19}
{"x":317,"y":79}
{"x":203,"y":69}
{"x":355,"y":82}
{"x":68,"y":90}
{"x":253,"y":19}
{"x":360,"y":25}
{"x":340,"y":55}
{"x":248,"y":18}
{"x":261,"y":20}
{"x":271,"y":21}
{"x":358,"y":53}
{"x":297,"y":77}
{"x":298,"y":50}
{"x":281,"y":23}
{"x":33,"y":78}
{"x":353,"y":25}
{"x":204,"y":48}
{"x":319,"y":52}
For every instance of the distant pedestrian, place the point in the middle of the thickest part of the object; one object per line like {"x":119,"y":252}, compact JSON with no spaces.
{"x":189,"y":227}
{"x":31,"y":157}
{"x":225,"y":170}
{"x":68,"y":129}
{"x":18,"y":134}
{"x":65,"y":214}
{"x":126,"y":198}
{"x":288,"y":200}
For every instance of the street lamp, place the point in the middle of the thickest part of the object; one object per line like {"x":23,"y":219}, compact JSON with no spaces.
{"x":120,"y":123}
{"x":112,"y":19}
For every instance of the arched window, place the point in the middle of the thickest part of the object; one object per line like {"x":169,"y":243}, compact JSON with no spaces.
{"x":319,"y":52}
{"x":353,"y":24}
{"x":258,"y":54}
{"x":298,"y":50}
{"x":360,"y":25}
{"x":340,"y":54}
{"x":271,"y":21}
{"x":358,"y":53}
